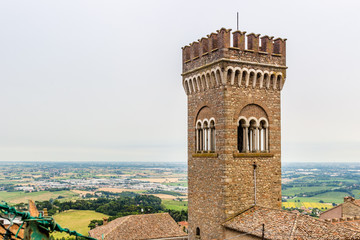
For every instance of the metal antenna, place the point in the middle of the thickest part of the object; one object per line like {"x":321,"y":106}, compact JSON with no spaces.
{"x":237,"y":21}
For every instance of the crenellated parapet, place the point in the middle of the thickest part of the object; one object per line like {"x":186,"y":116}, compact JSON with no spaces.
{"x":251,"y":49}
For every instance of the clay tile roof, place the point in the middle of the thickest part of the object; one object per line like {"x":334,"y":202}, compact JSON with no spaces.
{"x":353,"y":224}
{"x":281,"y":224}
{"x":13,"y":229}
{"x":145,"y":226}
{"x":357,"y":202}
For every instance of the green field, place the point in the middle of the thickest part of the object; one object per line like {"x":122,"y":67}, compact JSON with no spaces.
{"x":328,"y":197}
{"x":175,"y":205}
{"x":77,"y":220}
{"x":23,"y":197}
{"x":296,"y":190}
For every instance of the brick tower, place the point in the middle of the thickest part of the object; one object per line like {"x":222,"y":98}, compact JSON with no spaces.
{"x":234,"y":132}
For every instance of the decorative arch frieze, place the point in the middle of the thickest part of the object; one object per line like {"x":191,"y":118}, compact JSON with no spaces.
{"x":233,"y":76}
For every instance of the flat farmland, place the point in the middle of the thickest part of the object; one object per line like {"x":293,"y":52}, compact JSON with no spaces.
{"x":77,"y":220}
{"x":296,"y":190}
{"x":175,"y":205}
{"x":328,"y":197}
{"x":23,"y":197}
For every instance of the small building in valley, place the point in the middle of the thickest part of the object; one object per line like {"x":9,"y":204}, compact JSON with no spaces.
{"x":350,"y":208}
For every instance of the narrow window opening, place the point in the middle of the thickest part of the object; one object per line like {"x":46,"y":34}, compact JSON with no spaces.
{"x":197,"y":233}
{"x":240,"y":137}
{"x":198,"y":137}
{"x":212,"y":136}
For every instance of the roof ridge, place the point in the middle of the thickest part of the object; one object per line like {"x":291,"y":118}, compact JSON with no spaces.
{"x":124,"y":219}
{"x":294,"y":226}
{"x":238,"y":213}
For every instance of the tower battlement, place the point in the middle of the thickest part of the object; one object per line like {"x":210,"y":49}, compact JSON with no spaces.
{"x":247,"y":48}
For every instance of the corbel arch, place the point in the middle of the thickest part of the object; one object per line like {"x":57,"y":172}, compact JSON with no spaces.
{"x":237,"y":76}
{"x":265,"y":79}
{"x":259,"y":78}
{"x":244,"y":77}
{"x":229,"y":75}
{"x":251,"y":77}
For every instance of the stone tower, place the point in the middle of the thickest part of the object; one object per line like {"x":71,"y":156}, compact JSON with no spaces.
{"x":234,"y":131}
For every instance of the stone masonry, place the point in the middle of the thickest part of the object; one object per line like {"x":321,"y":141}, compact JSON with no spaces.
{"x":226,"y":82}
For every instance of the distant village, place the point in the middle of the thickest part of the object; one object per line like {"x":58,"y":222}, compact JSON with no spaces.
{"x":86,"y":184}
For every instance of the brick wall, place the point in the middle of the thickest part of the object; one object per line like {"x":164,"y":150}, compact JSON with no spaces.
{"x":350,"y":209}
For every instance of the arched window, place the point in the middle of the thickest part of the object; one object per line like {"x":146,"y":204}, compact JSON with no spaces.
{"x":205,"y":136}
{"x":253,"y":135}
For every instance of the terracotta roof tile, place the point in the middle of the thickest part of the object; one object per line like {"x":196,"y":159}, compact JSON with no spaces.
{"x":357,"y":202}
{"x":353,"y":224}
{"x":14,"y":229}
{"x":145,"y":226}
{"x":281,"y":224}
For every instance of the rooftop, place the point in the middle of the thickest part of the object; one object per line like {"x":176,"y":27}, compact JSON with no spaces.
{"x":144,"y":226}
{"x":281,"y":224}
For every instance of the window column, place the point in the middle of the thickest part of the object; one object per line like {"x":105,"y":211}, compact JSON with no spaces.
{"x":197,"y":140}
{"x":201,"y":140}
{"x":206,"y":139}
{"x":245,"y":147}
{"x":260,"y":139}
{"x":266,"y":139}
{"x":253,"y":138}
{"x":250,"y":139}
{"x":257,"y":137}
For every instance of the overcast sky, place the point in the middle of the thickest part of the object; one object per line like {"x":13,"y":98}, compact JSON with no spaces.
{"x":86,"y":80}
